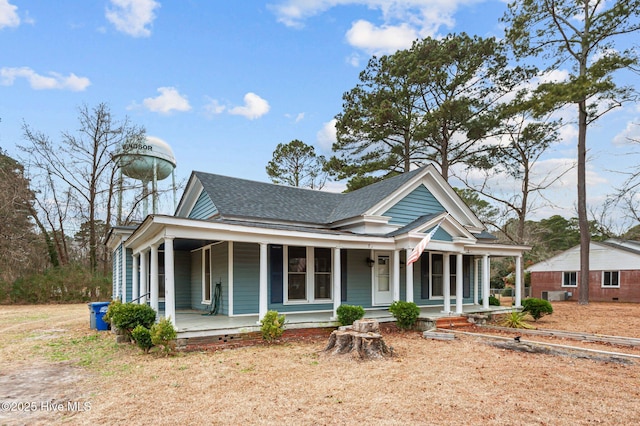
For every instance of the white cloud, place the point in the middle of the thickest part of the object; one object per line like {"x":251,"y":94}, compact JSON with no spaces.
{"x":327,"y":135}
{"x":400,"y":19}
{"x":630,"y":134}
{"x":213,"y":107}
{"x":40,"y":82}
{"x":169,"y":100}
{"x":380,"y":40}
{"x":8,"y":15}
{"x":299,"y":117}
{"x":132,"y":16}
{"x":254,"y":107}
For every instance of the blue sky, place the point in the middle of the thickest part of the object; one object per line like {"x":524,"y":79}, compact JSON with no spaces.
{"x":223,"y":82}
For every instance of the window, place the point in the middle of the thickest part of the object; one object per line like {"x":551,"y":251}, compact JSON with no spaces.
{"x":297,"y":273}
{"x":309,"y":275}
{"x":436,"y":275}
{"x":610,"y":279}
{"x":322,"y":271}
{"x":206,"y":275}
{"x":569,"y":279}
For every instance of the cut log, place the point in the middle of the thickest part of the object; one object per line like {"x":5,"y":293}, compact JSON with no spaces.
{"x":363,"y":345}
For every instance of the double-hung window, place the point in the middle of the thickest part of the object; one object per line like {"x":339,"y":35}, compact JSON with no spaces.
{"x":570,"y":279}
{"x":308,"y":274}
{"x":610,"y":279}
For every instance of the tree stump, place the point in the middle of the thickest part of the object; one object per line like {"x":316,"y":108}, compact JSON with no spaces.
{"x":361,"y":340}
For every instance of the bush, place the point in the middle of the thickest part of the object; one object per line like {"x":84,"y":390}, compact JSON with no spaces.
{"x":537,"y":308}
{"x":493,"y":301}
{"x":405,"y":313}
{"x":347,"y":314}
{"x":272,"y":326}
{"x":127,"y":316}
{"x":142,"y":336}
{"x":65,"y":284}
{"x":164,"y":334}
{"x":507,"y":292}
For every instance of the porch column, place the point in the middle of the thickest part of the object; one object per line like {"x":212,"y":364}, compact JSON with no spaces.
{"x":337,"y":283}
{"x":263,"y":301}
{"x":154,"y":279}
{"x":144,"y":276}
{"x":485,"y":281}
{"x":396,"y":275}
{"x":135,"y":286}
{"x":459,"y":277}
{"x":169,"y":281}
{"x":518,"y":281}
{"x":476,"y":266}
{"x":123,"y":274}
{"x":409,"y":277}
{"x":446,"y":282}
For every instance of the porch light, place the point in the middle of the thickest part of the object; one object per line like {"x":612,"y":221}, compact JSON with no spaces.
{"x":370,"y":262}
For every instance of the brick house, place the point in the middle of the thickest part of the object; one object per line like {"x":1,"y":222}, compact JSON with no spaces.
{"x":614,"y":274}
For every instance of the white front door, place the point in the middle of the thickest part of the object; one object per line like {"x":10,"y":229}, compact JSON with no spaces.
{"x":382,"y":291}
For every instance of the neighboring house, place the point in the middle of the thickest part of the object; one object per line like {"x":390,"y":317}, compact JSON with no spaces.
{"x":299,"y":251}
{"x":614,"y":273}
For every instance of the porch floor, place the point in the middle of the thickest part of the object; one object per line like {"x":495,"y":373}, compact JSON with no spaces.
{"x":193,"y":323}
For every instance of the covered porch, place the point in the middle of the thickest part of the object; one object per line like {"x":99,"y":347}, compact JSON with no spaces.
{"x":193,"y":323}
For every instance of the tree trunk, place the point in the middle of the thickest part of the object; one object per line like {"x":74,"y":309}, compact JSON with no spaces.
{"x":583,"y":220}
{"x":362,"y":341}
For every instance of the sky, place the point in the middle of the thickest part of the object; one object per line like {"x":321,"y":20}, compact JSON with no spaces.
{"x":224,"y":82}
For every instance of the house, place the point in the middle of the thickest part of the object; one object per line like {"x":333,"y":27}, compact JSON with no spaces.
{"x":614,"y":273}
{"x":248,"y":247}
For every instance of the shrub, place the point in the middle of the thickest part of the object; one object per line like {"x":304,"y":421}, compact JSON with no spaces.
{"x":347,"y":314}
{"x":493,"y":301}
{"x":127,"y":316}
{"x":537,"y":308}
{"x":405,"y":313}
{"x":272,"y":326}
{"x":142,"y":336}
{"x":164,"y":334}
{"x":515,"y":319}
{"x":507,"y":292}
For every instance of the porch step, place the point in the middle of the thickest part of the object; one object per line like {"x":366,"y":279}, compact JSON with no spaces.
{"x":452,"y":322}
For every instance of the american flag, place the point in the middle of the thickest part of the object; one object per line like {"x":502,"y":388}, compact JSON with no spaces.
{"x":417,"y":250}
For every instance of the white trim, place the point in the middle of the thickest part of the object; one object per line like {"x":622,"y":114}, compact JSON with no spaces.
{"x":562,"y":284}
{"x":602,"y":285}
{"x":230,"y":277}
{"x":310,"y":294}
{"x":205,"y":301}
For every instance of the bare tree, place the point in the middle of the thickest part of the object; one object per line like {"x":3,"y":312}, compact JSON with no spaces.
{"x":81,"y":167}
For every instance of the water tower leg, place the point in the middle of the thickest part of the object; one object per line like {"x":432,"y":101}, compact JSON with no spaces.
{"x":154,"y":187}
{"x":145,"y":198}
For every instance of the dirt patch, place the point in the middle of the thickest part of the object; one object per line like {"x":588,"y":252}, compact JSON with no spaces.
{"x":35,"y":394}
{"x":463,"y":381}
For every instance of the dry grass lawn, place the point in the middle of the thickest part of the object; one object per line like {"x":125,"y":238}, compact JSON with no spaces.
{"x":53,"y":365}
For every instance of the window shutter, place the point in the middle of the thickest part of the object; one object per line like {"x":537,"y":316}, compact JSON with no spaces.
{"x":343,"y":275}
{"x":466,"y":276}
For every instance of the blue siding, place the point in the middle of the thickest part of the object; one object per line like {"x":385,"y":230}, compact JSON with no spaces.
{"x":182,"y":271}
{"x":246,"y":278}
{"x":220,"y":273}
{"x":129,"y":272}
{"x":196,"y":280}
{"x":358,"y":278}
{"x":441,"y":235}
{"x":418,"y":203}
{"x":203,"y":208}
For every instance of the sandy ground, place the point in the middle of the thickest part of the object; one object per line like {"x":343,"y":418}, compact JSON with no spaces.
{"x":55,"y":370}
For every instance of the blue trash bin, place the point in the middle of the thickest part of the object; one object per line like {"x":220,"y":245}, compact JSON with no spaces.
{"x":97,"y":311}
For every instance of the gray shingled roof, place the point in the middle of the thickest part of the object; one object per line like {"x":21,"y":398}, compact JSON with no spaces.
{"x":235,"y":197}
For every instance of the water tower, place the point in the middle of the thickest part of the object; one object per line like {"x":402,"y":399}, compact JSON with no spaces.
{"x":149,"y":160}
